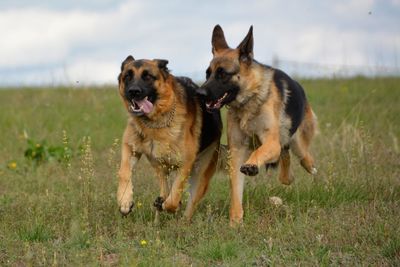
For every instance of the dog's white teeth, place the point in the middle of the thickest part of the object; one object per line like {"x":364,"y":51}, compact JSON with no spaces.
{"x":223,"y":97}
{"x":134,"y":109}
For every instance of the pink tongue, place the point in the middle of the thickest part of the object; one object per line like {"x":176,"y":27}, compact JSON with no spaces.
{"x":145,"y":105}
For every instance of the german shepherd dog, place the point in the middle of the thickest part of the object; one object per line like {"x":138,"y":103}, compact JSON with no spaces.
{"x":171,"y":128}
{"x":268,"y":114}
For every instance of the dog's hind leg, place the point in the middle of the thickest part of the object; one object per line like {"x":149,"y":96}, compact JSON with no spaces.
{"x":302,"y":139}
{"x":203,"y":170}
{"x":285,"y":174}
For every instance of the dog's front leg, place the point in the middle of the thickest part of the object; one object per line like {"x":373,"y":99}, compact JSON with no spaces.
{"x":124,"y":193}
{"x":268,"y":152}
{"x":238,"y":152}
{"x":162,"y":176}
{"x":171,"y":204}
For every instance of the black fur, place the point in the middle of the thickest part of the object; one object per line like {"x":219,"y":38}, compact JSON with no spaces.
{"x":138,"y":63}
{"x":271,"y":165}
{"x":217,"y":84}
{"x":296,"y":102}
{"x":128,"y":59}
{"x":249,"y":169}
{"x":246,"y":47}
{"x":211,"y":128}
{"x":162,"y":64}
{"x":158,"y":203}
{"x":137,"y":88}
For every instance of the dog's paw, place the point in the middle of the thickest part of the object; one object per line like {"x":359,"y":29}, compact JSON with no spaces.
{"x":171,"y":206}
{"x":126,"y":208}
{"x":314,"y":171}
{"x":158,"y":203}
{"x":249,"y":169}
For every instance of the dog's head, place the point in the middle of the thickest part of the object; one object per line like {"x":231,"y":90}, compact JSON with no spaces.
{"x":142,"y":84}
{"x":226,"y":68}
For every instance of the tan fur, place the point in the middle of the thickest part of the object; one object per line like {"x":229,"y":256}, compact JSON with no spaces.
{"x":301,"y":140}
{"x":285,"y":175}
{"x":168,"y":148}
{"x":264,"y":117}
{"x":261,"y":114}
{"x":258,"y":113}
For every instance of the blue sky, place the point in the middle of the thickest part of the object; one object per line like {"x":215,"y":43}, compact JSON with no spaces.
{"x":62,"y":42}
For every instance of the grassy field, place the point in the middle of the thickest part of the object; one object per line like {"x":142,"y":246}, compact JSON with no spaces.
{"x":59,"y":153}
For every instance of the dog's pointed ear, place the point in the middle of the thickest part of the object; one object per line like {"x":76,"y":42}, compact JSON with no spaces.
{"x":218,"y":41}
{"x":162,"y":65}
{"x":126,"y":61}
{"x":246,"y":47}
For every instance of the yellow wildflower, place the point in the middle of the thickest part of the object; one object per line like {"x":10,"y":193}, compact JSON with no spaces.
{"x":139,"y":204}
{"x":12,"y":165}
{"x":143,"y":242}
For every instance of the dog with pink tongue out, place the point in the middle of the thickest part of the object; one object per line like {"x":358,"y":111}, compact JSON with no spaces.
{"x":143,"y":105}
{"x":172,"y":128}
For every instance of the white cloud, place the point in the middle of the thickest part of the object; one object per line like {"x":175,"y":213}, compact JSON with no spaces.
{"x":40,"y":36}
{"x":58,"y":45}
{"x":90,"y":71}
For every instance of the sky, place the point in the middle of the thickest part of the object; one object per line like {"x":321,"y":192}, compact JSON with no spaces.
{"x":51,"y":42}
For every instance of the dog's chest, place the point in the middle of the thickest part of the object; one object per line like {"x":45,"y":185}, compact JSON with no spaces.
{"x":163,"y":149}
{"x":261,"y":123}
{"x":165,"y":153}
{"x":251,"y":123}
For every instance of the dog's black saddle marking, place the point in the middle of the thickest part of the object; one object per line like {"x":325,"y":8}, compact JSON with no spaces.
{"x":211,"y":128}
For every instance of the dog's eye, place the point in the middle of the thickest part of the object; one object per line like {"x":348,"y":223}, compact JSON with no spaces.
{"x":129,"y":75}
{"x":220,"y":73}
{"x":208,"y":73}
{"x":146,"y":76}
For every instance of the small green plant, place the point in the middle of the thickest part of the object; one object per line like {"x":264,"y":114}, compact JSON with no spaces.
{"x":40,"y":152}
{"x":35,"y":233}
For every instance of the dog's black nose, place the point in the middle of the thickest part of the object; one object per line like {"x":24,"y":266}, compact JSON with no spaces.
{"x":134,"y":91}
{"x":201,"y":92}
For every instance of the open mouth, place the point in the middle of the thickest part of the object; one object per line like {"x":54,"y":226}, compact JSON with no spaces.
{"x":216,"y":104}
{"x":139,"y":107}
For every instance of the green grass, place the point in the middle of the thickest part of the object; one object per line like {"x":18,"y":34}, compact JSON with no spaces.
{"x":64,"y":211}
